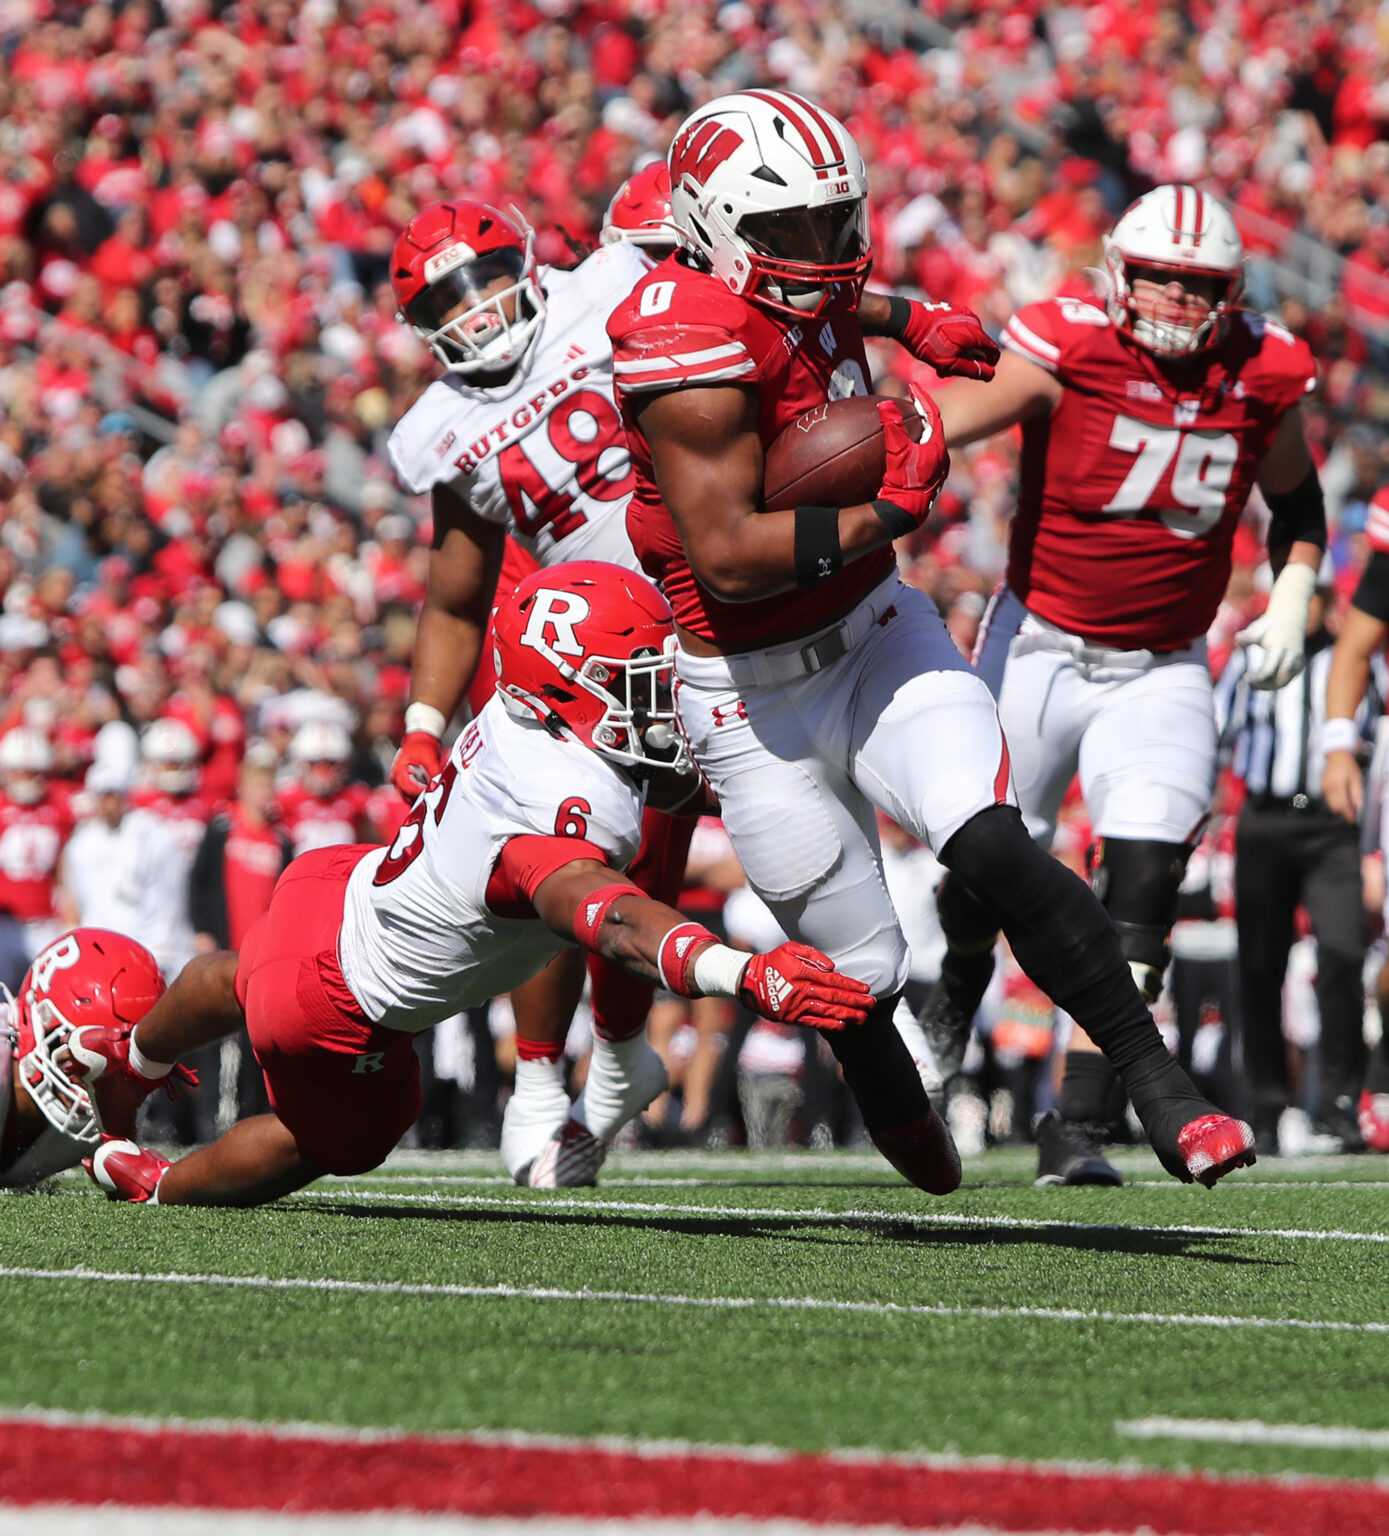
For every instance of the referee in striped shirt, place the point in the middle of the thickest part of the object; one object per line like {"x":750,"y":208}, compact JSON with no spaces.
{"x":1291,"y":851}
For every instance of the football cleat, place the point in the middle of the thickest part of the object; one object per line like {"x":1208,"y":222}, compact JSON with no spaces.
{"x":535,"y":1112}
{"x":1215,"y":1145}
{"x":923,"y":1151}
{"x":1373,"y":1115}
{"x":98,"y":1057}
{"x":624,"y":1076}
{"x":947,"y":1018}
{"x":127,"y":1172}
{"x":569,"y":1160}
{"x":1068,"y":1152}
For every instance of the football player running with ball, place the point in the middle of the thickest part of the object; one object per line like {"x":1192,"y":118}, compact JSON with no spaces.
{"x":521,"y":437}
{"x":812,"y":684}
{"x":1147,"y":418}
{"x":513,"y":853}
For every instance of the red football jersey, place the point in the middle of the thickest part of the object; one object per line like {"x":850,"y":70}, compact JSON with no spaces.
{"x":315,"y":823}
{"x":681,"y":327}
{"x":31,"y":841}
{"x":1131,"y":490}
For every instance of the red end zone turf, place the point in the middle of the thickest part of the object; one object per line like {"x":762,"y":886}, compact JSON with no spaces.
{"x":204,"y":1467}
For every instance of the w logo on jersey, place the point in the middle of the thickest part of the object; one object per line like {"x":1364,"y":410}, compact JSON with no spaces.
{"x":701,"y":149}
{"x":551,"y":622}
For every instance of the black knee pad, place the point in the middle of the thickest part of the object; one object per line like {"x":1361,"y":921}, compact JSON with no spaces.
{"x":1138,"y":880}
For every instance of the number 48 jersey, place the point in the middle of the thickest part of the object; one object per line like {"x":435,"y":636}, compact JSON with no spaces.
{"x":1131,"y":490}
{"x":546,"y":456}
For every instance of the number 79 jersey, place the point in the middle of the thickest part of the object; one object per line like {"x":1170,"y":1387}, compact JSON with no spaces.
{"x":1131,"y":490}
{"x":546,"y":456}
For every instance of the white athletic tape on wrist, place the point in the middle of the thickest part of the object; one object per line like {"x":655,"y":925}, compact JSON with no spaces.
{"x":424,"y":717}
{"x":718,"y":970}
{"x":1291,"y":595}
{"x":1340,"y":735}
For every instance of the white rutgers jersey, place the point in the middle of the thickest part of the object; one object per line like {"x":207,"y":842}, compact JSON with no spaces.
{"x":418,"y":940}
{"x":546,"y":456}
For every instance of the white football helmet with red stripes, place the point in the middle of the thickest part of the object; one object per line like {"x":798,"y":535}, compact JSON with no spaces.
{"x":771,"y":192}
{"x":1181,"y":232}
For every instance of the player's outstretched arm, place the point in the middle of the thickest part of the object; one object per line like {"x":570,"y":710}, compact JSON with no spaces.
{"x":1296,"y":540}
{"x":1342,"y":783}
{"x":709,"y":466}
{"x":793,"y":983}
{"x":971,"y":411}
{"x":951,"y":339}
{"x":464,"y":562}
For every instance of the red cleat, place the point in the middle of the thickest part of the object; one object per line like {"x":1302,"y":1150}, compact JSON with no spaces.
{"x":1213,"y":1146}
{"x":99,"y":1059}
{"x":127,"y":1172}
{"x":923,"y":1151}
{"x":1373,"y":1118}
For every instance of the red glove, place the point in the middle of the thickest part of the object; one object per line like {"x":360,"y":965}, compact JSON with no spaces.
{"x":951,"y":340}
{"x":416,"y":763}
{"x":915,"y":471}
{"x":795,"y":984}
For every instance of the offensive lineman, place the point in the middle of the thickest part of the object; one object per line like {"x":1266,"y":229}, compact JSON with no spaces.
{"x":1146,"y":419}
{"x":514,"y":851}
{"x":521,"y":435}
{"x":812,"y":684}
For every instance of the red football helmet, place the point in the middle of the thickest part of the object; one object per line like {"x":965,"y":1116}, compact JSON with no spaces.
{"x":588,"y":649}
{"x":89,"y":976}
{"x":450,"y":255}
{"x":640,"y":212}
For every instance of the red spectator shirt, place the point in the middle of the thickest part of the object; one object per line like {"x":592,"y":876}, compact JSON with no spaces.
{"x":681,"y":328}
{"x":31,"y":842}
{"x":252,"y":862}
{"x":315,"y":823}
{"x":1132,"y":489}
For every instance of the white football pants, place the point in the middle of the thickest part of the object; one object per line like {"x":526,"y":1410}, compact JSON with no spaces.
{"x":800,"y":760}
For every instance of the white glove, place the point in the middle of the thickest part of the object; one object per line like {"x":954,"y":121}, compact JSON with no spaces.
{"x":1281,"y":629}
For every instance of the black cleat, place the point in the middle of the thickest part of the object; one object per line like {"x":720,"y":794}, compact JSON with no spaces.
{"x":1068,"y":1152}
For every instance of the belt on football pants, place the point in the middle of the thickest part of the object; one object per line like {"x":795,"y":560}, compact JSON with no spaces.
{"x":1045,"y":638}
{"x":804,"y":658}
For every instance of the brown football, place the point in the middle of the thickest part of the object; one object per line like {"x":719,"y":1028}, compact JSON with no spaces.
{"x":830,"y":456}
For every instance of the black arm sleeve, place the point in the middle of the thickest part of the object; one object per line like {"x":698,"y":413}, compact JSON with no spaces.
{"x":1372,"y":595}
{"x":1298,"y":515}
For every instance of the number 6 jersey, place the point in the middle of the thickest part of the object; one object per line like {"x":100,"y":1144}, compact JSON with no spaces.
{"x":1131,"y":490}
{"x":546,"y":455}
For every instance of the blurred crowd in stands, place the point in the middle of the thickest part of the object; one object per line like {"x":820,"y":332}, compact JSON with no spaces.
{"x":200,"y":359}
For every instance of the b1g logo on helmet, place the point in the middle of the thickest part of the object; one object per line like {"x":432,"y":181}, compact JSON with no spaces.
{"x":559,"y":612}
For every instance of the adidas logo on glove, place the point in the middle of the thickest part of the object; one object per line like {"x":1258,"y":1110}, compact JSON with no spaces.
{"x":778,"y":988}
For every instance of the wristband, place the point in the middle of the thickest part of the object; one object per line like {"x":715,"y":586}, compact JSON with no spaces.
{"x":673,"y":956}
{"x":899,"y":312}
{"x":817,"y":548}
{"x":591,"y":911}
{"x":718,"y":970}
{"x":1340,"y":735}
{"x":897,"y":520}
{"x":424,"y":717}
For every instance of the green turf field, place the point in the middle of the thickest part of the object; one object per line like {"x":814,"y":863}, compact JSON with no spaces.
{"x":809,"y":1301}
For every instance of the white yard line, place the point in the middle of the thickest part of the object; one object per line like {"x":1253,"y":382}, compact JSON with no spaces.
{"x":526,"y":1200}
{"x":1254,"y":1432}
{"x":699,"y":1303}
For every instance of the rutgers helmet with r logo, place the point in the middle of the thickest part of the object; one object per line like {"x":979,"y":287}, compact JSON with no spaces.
{"x":588,"y":649}
{"x":639,"y":213}
{"x":771,"y":193}
{"x":88,"y":977}
{"x":464,"y":276}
